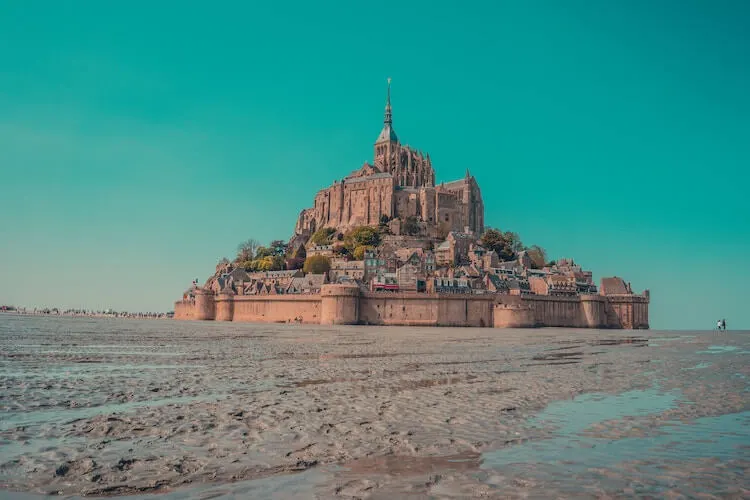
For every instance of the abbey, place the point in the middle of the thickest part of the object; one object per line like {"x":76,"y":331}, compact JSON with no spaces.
{"x":399,"y":184}
{"x":400,"y":249}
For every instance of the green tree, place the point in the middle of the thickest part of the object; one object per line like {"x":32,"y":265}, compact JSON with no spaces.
{"x":538,"y":256}
{"x":506,"y":244}
{"x":265,"y":263}
{"x":341,"y":251}
{"x":323,"y":236}
{"x":317,"y":264}
{"x":411,"y":226}
{"x":278,"y":247}
{"x":262,"y":252}
{"x":362,"y":236}
{"x":359,"y":252}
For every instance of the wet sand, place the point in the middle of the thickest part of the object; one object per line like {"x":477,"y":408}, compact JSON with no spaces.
{"x":122,"y":407}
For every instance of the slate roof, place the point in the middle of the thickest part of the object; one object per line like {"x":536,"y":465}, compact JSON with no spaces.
{"x":239,"y":274}
{"x":381,"y":175}
{"x":387,"y":134}
{"x":614,"y":286}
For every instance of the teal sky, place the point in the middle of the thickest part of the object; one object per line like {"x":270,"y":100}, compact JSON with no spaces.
{"x":141,"y":141}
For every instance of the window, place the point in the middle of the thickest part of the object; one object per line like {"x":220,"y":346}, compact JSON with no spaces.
{"x":446,"y":217}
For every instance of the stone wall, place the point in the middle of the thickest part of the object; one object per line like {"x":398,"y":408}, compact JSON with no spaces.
{"x":304,"y":308}
{"x":347,"y":304}
{"x":422,"y":309}
{"x":628,"y":311}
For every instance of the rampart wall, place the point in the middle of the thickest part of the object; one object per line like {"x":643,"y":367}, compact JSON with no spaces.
{"x":346,"y":304}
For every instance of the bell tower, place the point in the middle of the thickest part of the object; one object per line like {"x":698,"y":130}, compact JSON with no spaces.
{"x":387,"y":142}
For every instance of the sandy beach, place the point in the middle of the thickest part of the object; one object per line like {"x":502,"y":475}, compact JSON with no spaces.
{"x":123,"y":407}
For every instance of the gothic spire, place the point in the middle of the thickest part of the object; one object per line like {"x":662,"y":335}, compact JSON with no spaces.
{"x":388,"y":117}
{"x":387,"y":134}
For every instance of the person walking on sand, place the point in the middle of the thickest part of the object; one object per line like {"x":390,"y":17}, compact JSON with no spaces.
{"x":724,"y":325}
{"x":718,"y":325}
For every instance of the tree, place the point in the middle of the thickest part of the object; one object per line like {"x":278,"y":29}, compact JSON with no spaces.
{"x":513,"y":241}
{"x":246,"y":250}
{"x":317,"y":264}
{"x":362,"y":236}
{"x":341,"y":251}
{"x":359,"y":252}
{"x":411,"y":226}
{"x":278,"y":247}
{"x":384,"y":219}
{"x":262,"y":252}
{"x":323,"y":236}
{"x":506,"y":244}
{"x":538,"y":256}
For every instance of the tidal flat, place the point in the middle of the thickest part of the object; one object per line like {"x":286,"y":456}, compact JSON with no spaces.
{"x":108,"y":407}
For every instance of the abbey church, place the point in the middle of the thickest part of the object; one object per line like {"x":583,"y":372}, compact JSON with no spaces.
{"x":399,"y":184}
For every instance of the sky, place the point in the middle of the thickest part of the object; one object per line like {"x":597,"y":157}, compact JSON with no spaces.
{"x":142,"y":141}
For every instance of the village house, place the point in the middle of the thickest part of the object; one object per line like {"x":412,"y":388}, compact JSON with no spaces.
{"x":384,"y":282}
{"x":444,"y":284}
{"x":354,"y":269}
{"x":310,"y":283}
{"x":411,"y":278}
{"x":496,"y":284}
{"x":380,"y":260}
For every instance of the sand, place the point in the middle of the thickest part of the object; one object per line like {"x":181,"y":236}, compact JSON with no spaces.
{"x":116,"y":407}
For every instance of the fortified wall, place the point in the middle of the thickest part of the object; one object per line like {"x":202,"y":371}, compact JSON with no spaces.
{"x":348,"y":305}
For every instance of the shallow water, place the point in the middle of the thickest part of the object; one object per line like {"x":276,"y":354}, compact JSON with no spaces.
{"x":87,"y":407}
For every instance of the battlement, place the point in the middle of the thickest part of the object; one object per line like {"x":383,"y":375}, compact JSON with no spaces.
{"x":346,"y":304}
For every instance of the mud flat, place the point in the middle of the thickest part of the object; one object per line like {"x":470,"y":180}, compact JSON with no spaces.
{"x":101,"y":407}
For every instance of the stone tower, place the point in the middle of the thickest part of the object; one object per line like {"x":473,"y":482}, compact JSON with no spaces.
{"x":387,"y":142}
{"x":409,"y":167}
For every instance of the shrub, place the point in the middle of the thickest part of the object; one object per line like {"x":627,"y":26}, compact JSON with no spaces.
{"x":323,"y":236}
{"x":317,"y":264}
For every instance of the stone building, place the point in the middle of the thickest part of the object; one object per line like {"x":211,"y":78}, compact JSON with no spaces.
{"x":455,"y":248}
{"x":354,"y":269}
{"x":399,"y":183}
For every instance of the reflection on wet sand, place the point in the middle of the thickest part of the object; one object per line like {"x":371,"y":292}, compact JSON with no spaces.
{"x":365,"y":412}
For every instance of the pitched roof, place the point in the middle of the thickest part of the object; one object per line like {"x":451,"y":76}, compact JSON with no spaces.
{"x":614,"y":286}
{"x":239,"y":274}
{"x":381,"y":175}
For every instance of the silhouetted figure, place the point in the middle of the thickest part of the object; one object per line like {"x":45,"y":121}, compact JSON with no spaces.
{"x":724,"y":324}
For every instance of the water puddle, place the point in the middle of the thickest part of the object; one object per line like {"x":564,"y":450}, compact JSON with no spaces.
{"x":699,"y":366}
{"x":407,"y":465}
{"x":719,"y":349}
{"x":721,"y":437}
